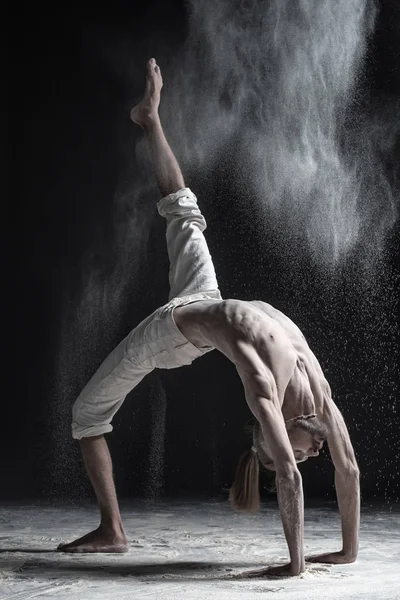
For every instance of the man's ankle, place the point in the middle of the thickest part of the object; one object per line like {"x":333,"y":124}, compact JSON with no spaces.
{"x":113,"y":525}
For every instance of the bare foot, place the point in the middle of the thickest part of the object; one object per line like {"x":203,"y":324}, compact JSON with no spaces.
{"x":99,"y":540}
{"x":144,"y":113}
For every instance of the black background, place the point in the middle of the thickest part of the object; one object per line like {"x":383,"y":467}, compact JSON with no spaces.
{"x":70,"y":141}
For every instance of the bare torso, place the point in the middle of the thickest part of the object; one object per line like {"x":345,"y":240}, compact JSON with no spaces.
{"x":260,"y":341}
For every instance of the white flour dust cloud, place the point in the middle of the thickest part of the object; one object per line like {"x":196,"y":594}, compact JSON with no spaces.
{"x":154,"y":483}
{"x":277,"y":86}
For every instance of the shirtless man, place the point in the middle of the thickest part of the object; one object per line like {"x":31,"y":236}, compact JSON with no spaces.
{"x":283,"y":383}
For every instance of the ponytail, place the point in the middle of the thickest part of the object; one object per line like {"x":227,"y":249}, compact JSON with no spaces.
{"x":245,"y":492}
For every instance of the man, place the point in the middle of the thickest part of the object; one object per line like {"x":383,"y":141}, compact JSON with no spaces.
{"x":283,"y":382}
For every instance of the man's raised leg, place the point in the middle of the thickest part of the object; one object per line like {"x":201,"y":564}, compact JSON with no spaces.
{"x":191,"y":268}
{"x":145,"y":114}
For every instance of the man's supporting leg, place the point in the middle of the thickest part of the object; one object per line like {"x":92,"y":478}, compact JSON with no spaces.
{"x":110,"y":535}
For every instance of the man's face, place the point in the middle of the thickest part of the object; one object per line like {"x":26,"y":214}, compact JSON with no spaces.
{"x":306,"y":437}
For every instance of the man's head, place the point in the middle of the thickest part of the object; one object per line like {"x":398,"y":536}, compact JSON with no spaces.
{"x":306,"y":436}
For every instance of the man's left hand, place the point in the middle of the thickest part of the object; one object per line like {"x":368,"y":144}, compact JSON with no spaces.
{"x":333,"y":558}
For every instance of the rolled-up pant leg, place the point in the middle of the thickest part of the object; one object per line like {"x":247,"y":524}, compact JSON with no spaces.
{"x":103,"y":395}
{"x":191,"y":266}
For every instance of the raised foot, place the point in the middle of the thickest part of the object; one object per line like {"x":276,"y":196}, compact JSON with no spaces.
{"x":99,"y":540}
{"x":144,"y":113}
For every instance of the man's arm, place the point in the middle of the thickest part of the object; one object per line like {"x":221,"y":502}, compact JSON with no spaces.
{"x":263,"y":401}
{"x":347,"y":485}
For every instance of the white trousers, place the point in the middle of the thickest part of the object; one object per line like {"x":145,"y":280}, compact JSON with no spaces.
{"x":156,"y":342}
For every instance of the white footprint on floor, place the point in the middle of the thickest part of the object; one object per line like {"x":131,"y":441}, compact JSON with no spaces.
{"x":313,"y":571}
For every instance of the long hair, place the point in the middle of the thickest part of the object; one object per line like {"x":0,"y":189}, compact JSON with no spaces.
{"x":245,"y":491}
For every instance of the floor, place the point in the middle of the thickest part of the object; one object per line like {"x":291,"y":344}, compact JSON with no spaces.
{"x":191,"y":550}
